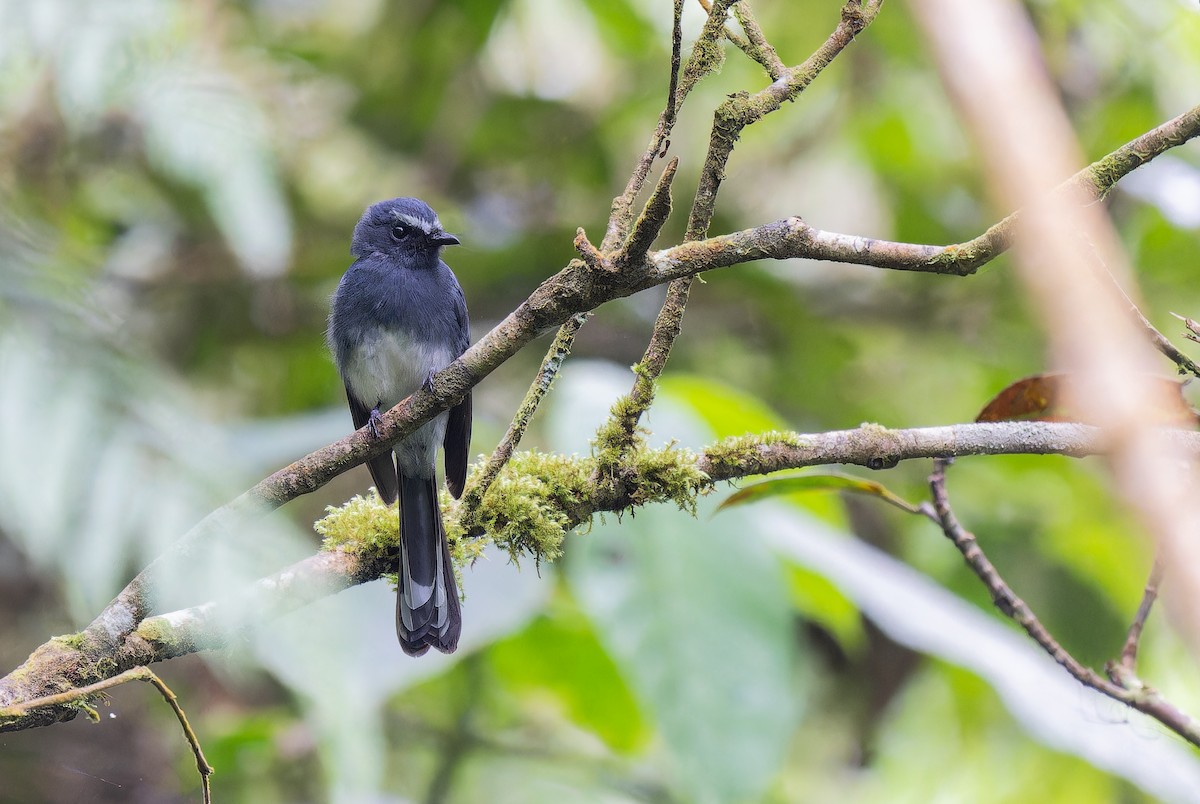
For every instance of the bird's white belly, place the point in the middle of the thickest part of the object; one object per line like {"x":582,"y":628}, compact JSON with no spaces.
{"x":387,"y":367}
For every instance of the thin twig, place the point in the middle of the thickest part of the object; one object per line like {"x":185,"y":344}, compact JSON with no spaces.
{"x":1149,"y":595}
{"x":1125,"y":686}
{"x":757,"y":47}
{"x":1157,"y":339}
{"x":621,"y":215}
{"x":1161,"y":342}
{"x":1003,"y":596}
{"x":649,"y":223}
{"x":671,"y":109}
{"x":481,"y":481}
{"x":81,"y":694}
{"x":740,"y":111}
{"x":1191,"y":325}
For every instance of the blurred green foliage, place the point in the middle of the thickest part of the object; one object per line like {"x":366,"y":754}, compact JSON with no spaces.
{"x":178,"y":182}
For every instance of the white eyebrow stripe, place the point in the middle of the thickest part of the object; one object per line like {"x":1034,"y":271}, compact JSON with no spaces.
{"x":428,"y":227}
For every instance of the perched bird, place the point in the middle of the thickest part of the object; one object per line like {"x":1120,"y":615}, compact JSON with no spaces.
{"x":398,"y":317}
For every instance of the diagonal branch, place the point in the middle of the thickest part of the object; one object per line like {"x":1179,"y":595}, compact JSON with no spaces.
{"x":1125,"y":687}
{"x":621,"y":215}
{"x":1128,"y":660}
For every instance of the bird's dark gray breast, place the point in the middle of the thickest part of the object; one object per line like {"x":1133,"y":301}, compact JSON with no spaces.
{"x":392,"y":327}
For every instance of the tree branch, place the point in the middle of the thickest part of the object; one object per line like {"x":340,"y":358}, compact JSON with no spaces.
{"x":564,"y":499}
{"x":577,"y":289}
{"x":1129,"y":650}
{"x":1125,"y":687}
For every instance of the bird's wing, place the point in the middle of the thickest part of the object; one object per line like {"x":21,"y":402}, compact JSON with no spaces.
{"x":457,"y":442}
{"x":383,"y":467}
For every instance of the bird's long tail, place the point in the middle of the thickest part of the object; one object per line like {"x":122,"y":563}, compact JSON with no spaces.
{"x":427,"y":612}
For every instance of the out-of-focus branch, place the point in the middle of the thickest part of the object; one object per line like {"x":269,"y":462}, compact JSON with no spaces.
{"x":1158,"y":340}
{"x":1001,"y":90}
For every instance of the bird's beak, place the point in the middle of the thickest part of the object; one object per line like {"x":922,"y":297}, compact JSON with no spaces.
{"x":443,"y":239}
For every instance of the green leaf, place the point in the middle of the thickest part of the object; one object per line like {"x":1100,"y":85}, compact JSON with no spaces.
{"x":559,"y":654}
{"x":695,"y":614}
{"x":726,"y":410}
{"x":819,"y":600}
{"x":825,"y":482}
{"x":700,"y":622}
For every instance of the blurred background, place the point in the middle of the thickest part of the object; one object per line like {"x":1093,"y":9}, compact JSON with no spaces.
{"x":178,"y":184}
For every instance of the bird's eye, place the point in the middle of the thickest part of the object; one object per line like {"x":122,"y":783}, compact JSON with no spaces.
{"x":400,"y":231}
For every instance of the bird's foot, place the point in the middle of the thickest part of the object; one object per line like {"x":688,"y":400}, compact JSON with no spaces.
{"x":428,"y":384}
{"x":373,"y":421}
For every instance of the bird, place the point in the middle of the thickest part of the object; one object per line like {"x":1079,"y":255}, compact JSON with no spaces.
{"x":398,"y":317}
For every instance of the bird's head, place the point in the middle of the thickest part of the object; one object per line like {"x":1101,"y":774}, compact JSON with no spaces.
{"x":401,"y":227}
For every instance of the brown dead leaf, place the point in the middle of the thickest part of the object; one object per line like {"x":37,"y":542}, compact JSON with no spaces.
{"x":1047,"y":398}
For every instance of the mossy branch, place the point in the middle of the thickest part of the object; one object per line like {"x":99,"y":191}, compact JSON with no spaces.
{"x":480,"y":481}
{"x":535,"y":501}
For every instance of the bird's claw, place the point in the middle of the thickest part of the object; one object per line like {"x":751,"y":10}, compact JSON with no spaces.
{"x":373,"y":421}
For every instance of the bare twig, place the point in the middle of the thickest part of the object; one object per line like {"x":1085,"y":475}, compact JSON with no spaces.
{"x":621,"y":215}
{"x":1149,"y":595}
{"x":1157,"y":339}
{"x":1162,"y":343}
{"x":1192,"y":327}
{"x":1003,"y":596}
{"x":756,"y":45}
{"x":79,"y":696}
{"x":1125,"y":687}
